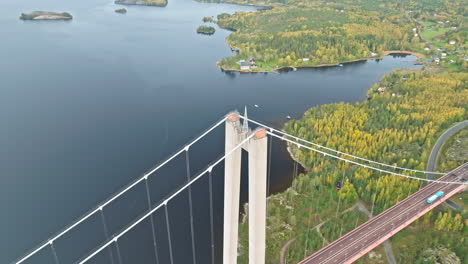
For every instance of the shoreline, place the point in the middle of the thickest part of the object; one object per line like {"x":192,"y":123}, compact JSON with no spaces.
{"x":139,"y":3}
{"x":419,"y":56}
{"x":260,"y":7}
{"x":288,"y":148}
{"x":46,"y":15}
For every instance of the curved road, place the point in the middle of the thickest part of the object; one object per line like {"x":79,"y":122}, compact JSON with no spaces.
{"x":432,"y":162}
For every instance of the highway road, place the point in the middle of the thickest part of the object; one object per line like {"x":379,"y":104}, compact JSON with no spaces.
{"x":432,"y":162}
{"x":364,"y":238}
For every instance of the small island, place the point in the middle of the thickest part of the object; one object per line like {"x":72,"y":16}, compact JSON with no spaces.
{"x":121,"y":11}
{"x":43,"y":15}
{"x":208,"y":19}
{"x":206,"y":30}
{"x":161,"y":3}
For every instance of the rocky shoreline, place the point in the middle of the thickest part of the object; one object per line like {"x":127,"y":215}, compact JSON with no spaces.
{"x":160,"y":3}
{"x":291,"y":154}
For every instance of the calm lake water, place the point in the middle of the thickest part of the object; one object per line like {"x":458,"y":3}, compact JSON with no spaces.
{"x":88,"y":105}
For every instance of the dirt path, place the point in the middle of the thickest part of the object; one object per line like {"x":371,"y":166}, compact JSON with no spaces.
{"x":284,"y":250}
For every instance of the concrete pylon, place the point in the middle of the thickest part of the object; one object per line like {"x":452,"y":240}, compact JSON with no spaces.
{"x":232,"y":173}
{"x":257,"y":196}
{"x":257,"y":148}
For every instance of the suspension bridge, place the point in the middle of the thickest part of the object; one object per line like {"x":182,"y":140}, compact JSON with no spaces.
{"x":257,"y":143}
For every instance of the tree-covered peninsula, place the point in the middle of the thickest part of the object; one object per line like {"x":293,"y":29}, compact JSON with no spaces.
{"x":45,"y":15}
{"x":315,"y":32}
{"x":403,"y":116}
{"x":161,"y":3}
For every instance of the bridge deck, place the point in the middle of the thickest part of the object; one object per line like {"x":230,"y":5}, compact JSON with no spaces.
{"x":369,"y":235}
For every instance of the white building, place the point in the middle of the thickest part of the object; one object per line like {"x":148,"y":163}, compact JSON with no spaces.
{"x":244,"y":66}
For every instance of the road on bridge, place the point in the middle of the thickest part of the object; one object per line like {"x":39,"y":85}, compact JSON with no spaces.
{"x":361,"y":240}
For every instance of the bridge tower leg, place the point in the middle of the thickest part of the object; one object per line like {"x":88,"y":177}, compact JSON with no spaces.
{"x":257,"y":147}
{"x":232,"y":173}
{"x":257,"y":196}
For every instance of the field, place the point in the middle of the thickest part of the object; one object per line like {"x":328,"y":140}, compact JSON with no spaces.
{"x":430,"y":34}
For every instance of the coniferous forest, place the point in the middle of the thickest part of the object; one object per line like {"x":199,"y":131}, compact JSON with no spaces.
{"x":397,"y":126}
{"x":293,"y":33}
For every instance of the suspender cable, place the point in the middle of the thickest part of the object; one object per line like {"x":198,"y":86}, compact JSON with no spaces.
{"x":374,"y":197}
{"x":54,"y":253}
{"x":364,"y":165}
{"x":192,"y":231}
{"x":210,"y":183}
{"x":339,"y":202}
{"x":294,"y":169}
{"x":269,"y":166}
{"x":117,"y":247}
{"x":163,"y":203}
{"x":106,"y":234}
{"x":124,"y":190}
{"x":153,"y":231}
{"x":270,"y":145}
{"x":272,"y":130}
{"x":308,"y":223}
{"x":169,"y":240}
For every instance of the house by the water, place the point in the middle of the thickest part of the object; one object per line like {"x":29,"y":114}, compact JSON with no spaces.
{"x":244,"y":66}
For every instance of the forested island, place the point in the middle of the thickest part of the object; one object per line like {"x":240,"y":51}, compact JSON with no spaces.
{"x":44,"y":15}
{"x":121,"y":11}
{"x":161,"y":3}
{"x":404,"y":115}
{"x":206,"y":30}
{"x":314,"y":33}
{"x":208,"y":19}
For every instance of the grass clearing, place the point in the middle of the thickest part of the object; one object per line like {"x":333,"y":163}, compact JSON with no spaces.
{"x":430,"y":34}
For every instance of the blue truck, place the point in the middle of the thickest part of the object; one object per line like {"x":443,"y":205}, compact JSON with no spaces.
{"x":435,"y":196}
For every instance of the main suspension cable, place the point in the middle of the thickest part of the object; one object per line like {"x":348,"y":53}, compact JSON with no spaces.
{"x":336,"y":151}
{"x":360,"y":164}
